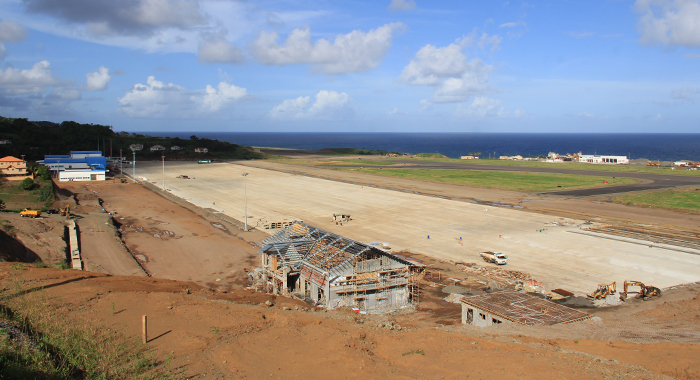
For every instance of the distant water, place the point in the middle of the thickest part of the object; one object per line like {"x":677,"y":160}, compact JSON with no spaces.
{"x":664,"y":147}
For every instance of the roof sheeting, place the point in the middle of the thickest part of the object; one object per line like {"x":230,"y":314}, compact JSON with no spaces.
{"x":525,"y":309}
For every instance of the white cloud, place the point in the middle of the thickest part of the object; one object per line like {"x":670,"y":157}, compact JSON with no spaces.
{"x":32,"y":81}
{"x":10,"y":31}
{"x":328,"y":105}
{"x":401,"y":5}
{"x":447,"y":69}
{"x":512,"y":24}
{"x":581,"y":34}
{"x":218,"y":50}
{"x":98,"y":80}
{"x":669,"y":22}
{"x":356,"y":51}
{"x":155,"y":99}
{"x":216,"y":98}
{"x":482,"y":107}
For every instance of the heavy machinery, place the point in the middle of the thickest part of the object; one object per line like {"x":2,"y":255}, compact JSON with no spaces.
{"x":603,"y":291}
{"x":65,"y":211}
{"x":28,"y":212}
{"x":645,"y":292}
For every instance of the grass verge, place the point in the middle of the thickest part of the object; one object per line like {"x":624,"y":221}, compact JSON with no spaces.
{"x":561,"y":165}
{"x":679,"y":200}
{"x":502,"y":180}
{"x":52,"y":346}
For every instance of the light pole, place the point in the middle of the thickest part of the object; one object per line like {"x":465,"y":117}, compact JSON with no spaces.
{"x":133,"y":166}
{"x":120,"y":163}
{"x":245,"y":199}
{"x":163,"y":157}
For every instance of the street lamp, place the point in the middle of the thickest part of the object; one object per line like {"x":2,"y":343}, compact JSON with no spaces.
{"x":163,"y":157}
{"x":133,"y":166}
{"x":245,"y":200}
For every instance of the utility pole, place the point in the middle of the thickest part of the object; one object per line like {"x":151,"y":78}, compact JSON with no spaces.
{"x":163,"y":157}
{"x":133,"y":165}
{"x":245,"y":199}
{"x":120,"y":162}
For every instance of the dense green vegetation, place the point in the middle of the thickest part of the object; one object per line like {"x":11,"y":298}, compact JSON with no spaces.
{"x":682,"y":199}
{"x":37,"y":194}
{"x":36,"y":139}
{"x":502,"y":180}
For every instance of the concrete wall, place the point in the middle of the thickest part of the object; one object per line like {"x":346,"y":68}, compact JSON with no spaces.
{"x":477,"y":317}
{"x":87,"y":175}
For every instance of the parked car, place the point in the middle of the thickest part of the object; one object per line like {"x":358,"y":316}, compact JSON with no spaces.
{"x":52,"y":211}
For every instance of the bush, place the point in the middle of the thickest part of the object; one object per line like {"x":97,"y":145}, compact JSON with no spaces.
{"x":27,"y":184}
{"x":43,"y":172}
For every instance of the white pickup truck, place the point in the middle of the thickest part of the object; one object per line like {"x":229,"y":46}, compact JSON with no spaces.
{"x":494,"y":257}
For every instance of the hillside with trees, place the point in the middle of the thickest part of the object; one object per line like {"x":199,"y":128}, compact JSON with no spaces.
{"x":34,"y":139}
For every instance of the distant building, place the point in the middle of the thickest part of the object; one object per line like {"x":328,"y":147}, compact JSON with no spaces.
{"x":469,"y":157}
{"x":201,"y":150}
{"x":5,"y":142}
{"x":596,"y":159}
{"x":175,"y":147}
{"x":512,"y":158}
{"x":81,"y":175}
{"x":683,"y":163}
{"x":135,"y":147}
{"x":13,"y":168}
{"x":81,"y":165}
{"x":156,"y":148}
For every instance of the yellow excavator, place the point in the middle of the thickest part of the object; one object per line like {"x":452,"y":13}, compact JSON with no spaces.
{"x":645,"y":292}
{"x":65,"y":211}
{"x":603,"y":291}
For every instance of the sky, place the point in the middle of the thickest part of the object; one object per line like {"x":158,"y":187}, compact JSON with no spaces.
{"x":549,"y":66}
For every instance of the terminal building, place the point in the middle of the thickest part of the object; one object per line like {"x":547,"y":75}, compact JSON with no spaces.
{"x":596,"y":159}
{"x":77,"y":166}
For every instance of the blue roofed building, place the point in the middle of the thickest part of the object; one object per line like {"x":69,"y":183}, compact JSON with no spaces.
{"x":77,"y":166}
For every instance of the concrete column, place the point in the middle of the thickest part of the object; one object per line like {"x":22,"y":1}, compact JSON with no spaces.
{"x":302,"y":284}
{"x":285,"y":277}
{"x":328,"y":294}
{"x":314,"y":292}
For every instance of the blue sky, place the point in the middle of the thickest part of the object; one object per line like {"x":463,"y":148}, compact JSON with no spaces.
{"x":365,"y":66}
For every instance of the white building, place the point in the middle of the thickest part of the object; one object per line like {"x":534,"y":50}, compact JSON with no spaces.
{"x":596,"y":159}
{"x":81,"y":175}
{"x":155,"y":148}
{"x":201,"y":150}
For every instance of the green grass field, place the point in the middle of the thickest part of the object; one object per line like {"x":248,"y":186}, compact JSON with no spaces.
{"x":560,"y":165}
{"x":682,"y":200}
{"x":501,"y":180}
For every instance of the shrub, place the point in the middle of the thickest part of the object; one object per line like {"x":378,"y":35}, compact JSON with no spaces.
{"x":27,"y":184}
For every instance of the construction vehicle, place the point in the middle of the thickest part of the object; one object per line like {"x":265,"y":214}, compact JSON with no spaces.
{"x":65,"y":211}
{"x":645,"y":292}
{"x":603,"y":291}
{"x":494,"y":257}
{"x":28,"y":212}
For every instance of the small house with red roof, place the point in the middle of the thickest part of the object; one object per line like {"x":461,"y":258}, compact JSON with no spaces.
{"x":13,"y":168}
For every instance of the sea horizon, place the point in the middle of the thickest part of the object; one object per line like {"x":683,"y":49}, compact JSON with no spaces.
{"x":651,"y":146}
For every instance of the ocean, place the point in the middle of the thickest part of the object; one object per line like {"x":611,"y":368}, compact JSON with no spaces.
{"x":663,"y":147}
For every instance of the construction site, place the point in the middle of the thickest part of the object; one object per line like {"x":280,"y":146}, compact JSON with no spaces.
{"x":333,"y":271}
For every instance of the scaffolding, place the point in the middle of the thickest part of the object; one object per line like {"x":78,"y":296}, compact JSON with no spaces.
{"x":342,"y":271}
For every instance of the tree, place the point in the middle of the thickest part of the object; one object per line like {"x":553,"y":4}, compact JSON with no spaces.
{"x":27,"y":184}
{"x":2,"y":204}
{"x":43,"y":172}
{"x":193,"y":137}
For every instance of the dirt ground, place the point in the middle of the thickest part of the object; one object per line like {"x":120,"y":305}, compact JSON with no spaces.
{"x":550,"y":248}
{"x":210,"y":334}
{"x":166,"y":239}
{"x":199,"y":311}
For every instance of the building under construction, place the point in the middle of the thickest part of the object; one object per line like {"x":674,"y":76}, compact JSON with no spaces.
{"x":334,"y":271}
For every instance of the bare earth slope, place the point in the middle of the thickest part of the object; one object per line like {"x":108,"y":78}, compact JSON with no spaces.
{"x":229,"y":335}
